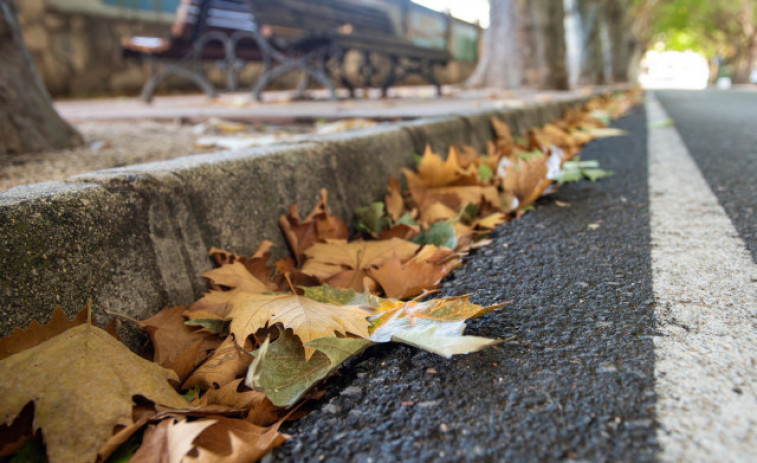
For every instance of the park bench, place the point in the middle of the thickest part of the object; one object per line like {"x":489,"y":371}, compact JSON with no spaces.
{"x":312,"y":36}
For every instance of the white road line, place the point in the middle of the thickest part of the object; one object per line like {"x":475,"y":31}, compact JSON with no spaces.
{"x":705,"y":286}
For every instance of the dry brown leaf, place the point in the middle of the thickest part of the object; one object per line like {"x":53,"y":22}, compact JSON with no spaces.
{"x":257,"y":264}
{"x":235,"y":441}
{"x":345,"y":265}
{"x":237,"y":395}
{"x":401,"y":231}
{"x":395,"y":205}
{"x":169,"y":441}
{"x":434,"y":172}
{"x":226,"y":363}
{"x":526,"y":179}
{"x":502,"y":132}
{"x":457,"y":197}
{"x":309,"y":319}
{"x":22,"y":339}
{"x":491,"y":221}
{"x":234,"y":276}
{"x":423,"y":272}
{"x":437,"y":212}
{"x":318,"y":225}
{"x":450,"y":309}
{"x":177,"y":346}
{"x":77,"y":420}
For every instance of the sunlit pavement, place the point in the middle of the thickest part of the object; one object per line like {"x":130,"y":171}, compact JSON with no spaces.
{"x":403,"y":102}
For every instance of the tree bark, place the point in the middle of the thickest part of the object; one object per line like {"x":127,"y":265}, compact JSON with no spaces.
{"x":545,"y":64}
{"x":593,"y":61}
{"x":524,"y":45}
{"x":616,"y":16}
{"x":501,"y":64}
{"x":28,"y":121}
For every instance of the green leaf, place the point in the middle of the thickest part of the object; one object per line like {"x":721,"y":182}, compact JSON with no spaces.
{"x":569,"y":174}
{"x":484,"y":173}
{"x":416,"y":157}
{"x":661,"y":124}
{"x":281,"y":372}
{"x":406,"y":219}
{"x":213,"y":325}
{"x":125,"y":451}
{"x":330,"y":295}
{"x":469,"y":213}
{"x":33,"y":452}
{"x":602,"y":116}
{"x":596,"y":174}
{"x":370,"y":218}
{"x":192,"y":393}
{"x":440,"y":234}
{"x":530,"y":155}
{"x":445,"y":339}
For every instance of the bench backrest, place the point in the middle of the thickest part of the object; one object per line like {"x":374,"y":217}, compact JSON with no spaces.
{"x":193,"y":17}
{"x":296,"y":17}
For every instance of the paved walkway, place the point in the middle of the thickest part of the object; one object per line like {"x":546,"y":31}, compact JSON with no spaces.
{"x":403,"y":103}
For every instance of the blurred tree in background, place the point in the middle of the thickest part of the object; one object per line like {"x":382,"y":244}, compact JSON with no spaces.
{"x":722,"y":30}
{"x":28,"y":121}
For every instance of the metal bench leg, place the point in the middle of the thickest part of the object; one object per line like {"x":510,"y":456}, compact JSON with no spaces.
{"x":148,"y":90}
{"x":289,"y":64}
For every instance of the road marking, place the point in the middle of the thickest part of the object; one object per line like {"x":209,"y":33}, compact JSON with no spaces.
{"x":705,"y":287}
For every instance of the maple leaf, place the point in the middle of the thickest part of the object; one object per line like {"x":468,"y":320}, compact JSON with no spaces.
{"x":281,"y":371}
{"x":346,"y":265}
{"x":434,"y":172}
{"x":36,"y":333}
{"x":445,"y":339}
{"x":308,"y":318}
{"x":394,"y":317}
{"x":502,"y":132}
{"x":318,"y":225}
{"x":257,"y":264}
{"x":230,"y":440}
{"x":169,"y":441}
{"x":525,"y":175}
{"x":237,"y":395}
{"x":234,"y":276}
{"x":77,"y":420}
{"x":177,"y":346}
{"x":226,"y":363}
{"x":423,"y":272}
{"x":395,"y":205}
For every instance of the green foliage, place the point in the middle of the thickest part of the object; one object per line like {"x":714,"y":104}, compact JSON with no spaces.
{"x":440,"y":234}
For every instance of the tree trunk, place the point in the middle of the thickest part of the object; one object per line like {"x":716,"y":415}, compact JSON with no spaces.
{"x":28,"y":122}
{"x":616,"y":16}
{"x":545,"y":64}
{"x":524,"y":44}
{"x":501,"y":65}
{"x":593,"y":61}
{"x":744,"y":59}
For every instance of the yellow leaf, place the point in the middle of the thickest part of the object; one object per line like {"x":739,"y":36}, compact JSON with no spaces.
{"x":309,"y":319}
{"x":82,"y":383}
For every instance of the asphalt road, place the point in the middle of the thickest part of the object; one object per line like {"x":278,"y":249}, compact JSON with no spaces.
{"x":720,"y":130}
{"x":576,"y":380}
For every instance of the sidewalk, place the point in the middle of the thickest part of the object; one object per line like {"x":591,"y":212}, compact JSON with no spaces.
{"x":278,"y":107}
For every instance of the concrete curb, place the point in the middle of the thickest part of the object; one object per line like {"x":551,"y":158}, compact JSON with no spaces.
{"x":135,"y":239}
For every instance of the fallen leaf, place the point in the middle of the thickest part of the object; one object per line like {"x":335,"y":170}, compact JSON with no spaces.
{"x":281,"y":371}
{"x":77,"y":420}
{"x":434,"y":172}
{"x":237,"y":395}
{"x":309,"y":319}
{"x":445,"y":339}
{"x":559,"y":203}
{"x":502,"y":131}
{"x":606,"y":132}
{"x":230,"y":440}
{"x":169,"y":441}
{"x":395,"y":317}
{"x":177,"y":346}
{"x":318,"y":225}
{"x":227,"y":362}
{"x":346,"y":265}
{"x":593,"y":226}
{"x":22,"y":339}
{"x":439,"y":234}
{"x":395,"y":205}
{"x":401,"y":281}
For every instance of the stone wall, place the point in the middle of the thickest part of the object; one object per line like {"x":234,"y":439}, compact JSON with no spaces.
{"x":78,"y":54}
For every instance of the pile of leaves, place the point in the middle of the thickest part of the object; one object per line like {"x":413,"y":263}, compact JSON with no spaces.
{"x":226,"y":371}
